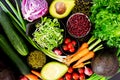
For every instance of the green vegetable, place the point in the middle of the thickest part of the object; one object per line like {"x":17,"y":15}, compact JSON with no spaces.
{"x":36,"y":59}
{"x":13,"y":37}
{"x":53,"y":70}
{"x":48,"y":33}
{"x":106,"y":19}
{"x":4,"y":45}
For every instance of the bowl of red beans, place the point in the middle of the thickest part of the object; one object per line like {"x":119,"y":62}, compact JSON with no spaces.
{"x":78,"y":25}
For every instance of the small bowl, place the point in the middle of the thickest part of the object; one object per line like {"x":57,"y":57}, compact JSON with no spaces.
{"x":76,"y":46}
{"x":78,"y":25}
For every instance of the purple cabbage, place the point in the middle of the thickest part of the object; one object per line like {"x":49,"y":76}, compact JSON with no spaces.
{"x":34,"y":9}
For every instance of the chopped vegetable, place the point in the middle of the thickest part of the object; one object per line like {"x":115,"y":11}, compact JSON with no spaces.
{"x":88,"y":71}
{"x":34,"y":9}
{"x":36,"y":59}
{"x":36,"y":73}
{"x":48,"y":33}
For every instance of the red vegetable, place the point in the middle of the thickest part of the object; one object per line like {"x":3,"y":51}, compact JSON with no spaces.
{"x":57,"y":51}
{"x":81,"y":70}
{"x":65,"y":47}
{"x":88,"y":71}
{"x":75,"y":76}
{"x":82,"y":77}
{"x":70,"y":69}
{"x":68,"y":76}
{"x":67,"y":40}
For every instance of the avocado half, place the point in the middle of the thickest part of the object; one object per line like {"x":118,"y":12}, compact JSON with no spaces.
{"x":65,"y":7}
{"x":53,"y":70}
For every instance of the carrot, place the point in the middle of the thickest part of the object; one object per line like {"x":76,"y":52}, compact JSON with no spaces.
{"x":36,"y":73}
{"x":86,"y":57}
{"x":31,"y":77}
{"x":84,"y":45}
{"x":79,"y":65}
{"x":78,"y":55}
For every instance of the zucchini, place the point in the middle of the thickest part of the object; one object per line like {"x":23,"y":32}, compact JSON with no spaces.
{"x":13,"y":56}
{"x":13,"y":37}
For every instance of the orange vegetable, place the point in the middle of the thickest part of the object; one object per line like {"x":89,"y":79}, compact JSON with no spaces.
{"x":31,"y":77}
{"x":36,"y":73}
{"x":84,"y":45}
{"x":86,"y":57}
{"x":78,"y":55}
{"x":79,"y":65}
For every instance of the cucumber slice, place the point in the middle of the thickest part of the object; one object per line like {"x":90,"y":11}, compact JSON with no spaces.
{"x":53,"y":70}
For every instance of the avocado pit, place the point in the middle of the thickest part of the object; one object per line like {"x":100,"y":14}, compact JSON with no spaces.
{"x":60,"y":7}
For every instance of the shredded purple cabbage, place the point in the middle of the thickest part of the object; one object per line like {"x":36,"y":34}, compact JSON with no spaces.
{"x":33,"y":9}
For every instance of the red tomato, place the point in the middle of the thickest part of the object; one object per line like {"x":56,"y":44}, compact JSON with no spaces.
{"x":70,"y":69}
{"x":70,"y":45}
{"x":82,"y":77}
{"x":81,"y":70}
{"x":74,"y":43}
{"x":61,"y":78}
{"x":75,"y":76}
{"x":72,"y":49}
{"x":23,"y":78}
{"x":67,"y":40}
{"x":68,"y":76}
{"x":65,"y":47}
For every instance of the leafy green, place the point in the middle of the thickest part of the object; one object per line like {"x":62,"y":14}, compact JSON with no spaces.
{"x":48,"y":33}
{"x":106,"y":19}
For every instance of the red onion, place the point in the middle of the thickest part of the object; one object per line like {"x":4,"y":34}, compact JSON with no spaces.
{"x":33,"y":9}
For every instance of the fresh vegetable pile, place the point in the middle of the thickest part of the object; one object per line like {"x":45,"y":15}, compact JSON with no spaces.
{"x":50,"y":52}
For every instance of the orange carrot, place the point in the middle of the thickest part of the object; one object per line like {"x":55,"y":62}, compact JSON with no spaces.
{"x":78,"y":55}
{"x":84,"y":45}
{"x":86,"y":57}
{"x":36,"y":73}
{"x":31,"y":77}
{"x":79,"y":65}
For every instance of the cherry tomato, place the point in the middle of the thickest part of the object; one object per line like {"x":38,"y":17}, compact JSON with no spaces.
{"x":75,"y":76}
{"x":72,"y":49}
{"x":67,"y":40}
{"x":61,"y":78}
{"x":81,"y":70}
{"x":82,"y":76}
{"x":65,"y":47}
{"x":68,"y":76}
{"x":70,"y":45}
{"x":23,"y":78}
{"x":70,"y":69}
{"x":74,"y":43}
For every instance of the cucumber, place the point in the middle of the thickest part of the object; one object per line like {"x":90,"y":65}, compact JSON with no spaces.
{"x":4,"y":45}
{"x":12,"y":35}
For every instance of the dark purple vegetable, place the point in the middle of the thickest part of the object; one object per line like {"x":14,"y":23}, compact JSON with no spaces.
{"x":105,"y":63}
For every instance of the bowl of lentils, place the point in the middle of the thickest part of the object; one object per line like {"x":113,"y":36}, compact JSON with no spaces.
{"x":78,"y":25}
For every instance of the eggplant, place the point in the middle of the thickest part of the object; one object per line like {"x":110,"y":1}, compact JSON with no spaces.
{"x":105,"y":63}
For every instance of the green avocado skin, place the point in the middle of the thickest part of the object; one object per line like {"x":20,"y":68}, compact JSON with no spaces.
{"x":53,"y":68}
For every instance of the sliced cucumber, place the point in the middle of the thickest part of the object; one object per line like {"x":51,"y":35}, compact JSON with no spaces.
{"x":53,"y":70}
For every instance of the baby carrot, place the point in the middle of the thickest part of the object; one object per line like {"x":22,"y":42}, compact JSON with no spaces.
{"x":86,"y":57}
{"x":31,"y":77}
{"x":78,"y":55}
{"x":79,"y":65}
{"x":36,"y":73}
{"x":84,"y":45}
